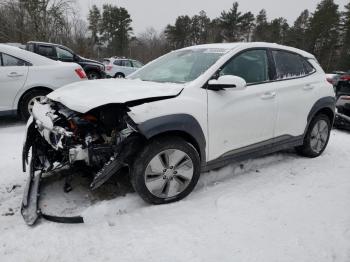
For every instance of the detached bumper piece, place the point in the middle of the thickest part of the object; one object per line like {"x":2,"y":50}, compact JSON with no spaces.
{"x":342,"y":121}
{"x":30,"y":204}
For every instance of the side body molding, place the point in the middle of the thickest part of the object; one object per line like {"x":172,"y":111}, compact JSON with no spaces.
{"x":177,"y":122}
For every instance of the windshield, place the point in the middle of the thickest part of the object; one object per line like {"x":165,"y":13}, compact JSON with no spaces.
{"x":179,"y":66}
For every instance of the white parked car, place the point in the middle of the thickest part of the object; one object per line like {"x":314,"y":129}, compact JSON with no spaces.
{"x":120,"y":67}
{"x":26,"y":77}
{"x":189,"y":111}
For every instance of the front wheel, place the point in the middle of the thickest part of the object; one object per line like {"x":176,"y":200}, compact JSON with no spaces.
{"x":316,"y":138}
{"x":166,"y":170}
{"x":28,"y":100}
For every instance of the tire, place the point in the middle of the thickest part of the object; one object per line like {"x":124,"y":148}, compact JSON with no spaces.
{"x":119,"y":75}
{"x":318,"y":131}
{"x":28,"y":100}
{"x":169,"y":183}
{"x":91,"y":75}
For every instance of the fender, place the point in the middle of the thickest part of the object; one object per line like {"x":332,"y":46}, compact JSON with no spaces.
{"x":325,"y":102}
{"x":177,"y":122}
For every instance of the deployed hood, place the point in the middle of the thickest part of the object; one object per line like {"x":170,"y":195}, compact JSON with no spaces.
{"x":86,"y":95}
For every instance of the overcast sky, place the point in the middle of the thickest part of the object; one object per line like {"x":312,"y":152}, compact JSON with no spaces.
{"x":159,"y":13}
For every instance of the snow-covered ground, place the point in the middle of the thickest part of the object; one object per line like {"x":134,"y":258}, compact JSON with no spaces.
{"x":277,"y":208}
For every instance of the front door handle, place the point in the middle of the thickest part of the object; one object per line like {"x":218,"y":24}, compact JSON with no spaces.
{"x":14,"y":74}
{"x":308,"y":87}
{"x":268,"y":95}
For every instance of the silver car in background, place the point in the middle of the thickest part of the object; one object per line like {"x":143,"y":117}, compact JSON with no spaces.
{"x":120,"y":67}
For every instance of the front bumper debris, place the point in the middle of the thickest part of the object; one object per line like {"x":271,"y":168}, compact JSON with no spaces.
{"x":57,"y":137}
{"x":30,"y":208}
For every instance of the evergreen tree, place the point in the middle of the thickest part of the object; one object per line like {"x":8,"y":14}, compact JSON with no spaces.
{"x":344,"y":60}
{"x":94,"y":19}
{"x":179,"y":35}
{"x":297,"y":35}
{"x":323,"y":33}
{"x":261,"y":26}
{"x":116,"y":29}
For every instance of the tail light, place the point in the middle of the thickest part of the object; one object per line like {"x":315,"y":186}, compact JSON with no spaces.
{"x":108,"y":68}
{"x":330,"y":80}
{"x":81,"y":73}
{"x":344,"y":98}
{"x":345,"y":78}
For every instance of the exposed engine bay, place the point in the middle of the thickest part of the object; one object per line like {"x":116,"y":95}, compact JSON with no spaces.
{"x":57,"y":136}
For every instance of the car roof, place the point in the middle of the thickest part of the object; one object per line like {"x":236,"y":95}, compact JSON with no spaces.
{"x":47,"y":43}
{"x":28,"y":56}
{"x":242,"y":45}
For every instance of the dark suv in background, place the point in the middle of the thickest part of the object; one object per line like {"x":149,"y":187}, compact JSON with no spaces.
{"x":92,"y":68}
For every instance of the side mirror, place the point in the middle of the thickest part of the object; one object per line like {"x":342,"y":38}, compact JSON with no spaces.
{"x":227,"y":81}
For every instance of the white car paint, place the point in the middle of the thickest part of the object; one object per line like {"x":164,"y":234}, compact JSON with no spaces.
{"x":107,"y":91}
{"x":230,"y":119}
{"x":43,"y":72}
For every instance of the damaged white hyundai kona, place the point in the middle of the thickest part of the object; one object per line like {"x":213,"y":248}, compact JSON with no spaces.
{"x":189,"y":111}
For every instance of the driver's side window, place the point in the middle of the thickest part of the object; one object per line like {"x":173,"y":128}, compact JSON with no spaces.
{"x":251,"y":65}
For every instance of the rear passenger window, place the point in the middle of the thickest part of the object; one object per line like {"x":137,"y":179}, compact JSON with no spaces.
{"x":126,"y":63}
{"x":290,"y":65}
{"x":47,"y":51}
{"x":118,"y":62}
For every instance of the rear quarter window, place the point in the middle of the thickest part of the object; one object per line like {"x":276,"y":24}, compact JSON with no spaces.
{"x":8,"y":60}
{"x":290,"y":65}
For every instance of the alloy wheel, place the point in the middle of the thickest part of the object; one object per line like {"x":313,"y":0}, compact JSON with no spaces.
{"x":169,"y":173}
{"x":32,"y":101}
{"x":319,"y":136}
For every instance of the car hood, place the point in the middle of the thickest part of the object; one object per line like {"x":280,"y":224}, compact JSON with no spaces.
{"x":86,"y":95}
{"x":85,"y":60}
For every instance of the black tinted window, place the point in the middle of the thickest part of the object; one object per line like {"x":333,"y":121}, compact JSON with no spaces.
{"x":64,"y":54}
{"x":30,"y":47}
{"x":118,"y":62}
{"x":251,"y":65}
{"x":289,"y":65}
{"x":126,"y":63}
{"x":8,"y":60}
{"x":46,"y":50}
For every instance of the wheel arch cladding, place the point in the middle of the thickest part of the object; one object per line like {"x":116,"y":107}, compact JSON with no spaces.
{"x":324,"y":105}
{"x":183,"y":125}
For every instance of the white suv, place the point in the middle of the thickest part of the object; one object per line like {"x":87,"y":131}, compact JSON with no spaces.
{"x":120,"y":67}
{"x":190,"y":111}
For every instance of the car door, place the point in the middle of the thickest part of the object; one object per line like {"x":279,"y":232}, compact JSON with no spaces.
{"x":296,"y":92}
{"x":127,"y":67}
{"x":241,"y":118}
{"x":13,"y":74}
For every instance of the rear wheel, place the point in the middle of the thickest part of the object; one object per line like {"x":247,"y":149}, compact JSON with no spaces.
{"x":316,"y":138}
{"x":166,"y":170}
{"x":93,"y":75}
{"x":119,"y":75}
{"x":28,"y":100}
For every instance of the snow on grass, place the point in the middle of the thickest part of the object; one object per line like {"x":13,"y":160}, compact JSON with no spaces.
{"x":278,"y":208}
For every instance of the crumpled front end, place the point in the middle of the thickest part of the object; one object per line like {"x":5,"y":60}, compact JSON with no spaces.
{"x":104,"y":139}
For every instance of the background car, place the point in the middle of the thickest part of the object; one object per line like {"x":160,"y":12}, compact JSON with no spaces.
{"x":93,"y":69}
{"x":121,"y":67}
{"x":26,"y":77}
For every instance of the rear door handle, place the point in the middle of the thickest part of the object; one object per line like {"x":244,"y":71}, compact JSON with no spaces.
{"x":308,"y":87}
{"x":268,"y":95}
{"x":14,"y":74}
